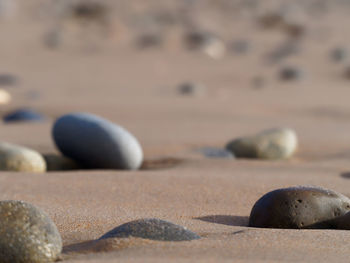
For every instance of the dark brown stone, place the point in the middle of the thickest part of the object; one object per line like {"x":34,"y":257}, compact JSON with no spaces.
{"x":298,"y":207}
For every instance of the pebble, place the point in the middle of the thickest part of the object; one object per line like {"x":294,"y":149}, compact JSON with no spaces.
{"x":283,"y":51}
{"x":241,"y":46}
{"x":280,"y":143}
{"x":59,"y":163}
{"x":212,"y":152}
{"x":298,"y":207}
{"x":5,"y":97}
{"x":27,"y":234}
{"x":8,"y":79}
{"x":149,"y":41}
{"x":208,"y":43}
{"x":339,"y":54}
{"x":152,"y":228}
{"x":23,"y":115}
{"x":20,"y":159}
{"x":192,"y":89}
{"x":95,"y":142}
{"x":291,"y":73}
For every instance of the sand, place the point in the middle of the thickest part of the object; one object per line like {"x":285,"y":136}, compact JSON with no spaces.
{"x":137,"y":89}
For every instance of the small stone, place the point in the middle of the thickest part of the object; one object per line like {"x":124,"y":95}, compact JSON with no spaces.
{"x":95,"y":142}
{"x":59,"y":163}
{"x":20,"y":159}
{"x":291,"y":73}
{"x":23,"y":115}
{"x":5,"y":97}
{"x":240,"y":46}
{"x":7,"y":79}
{"x":152,"y":228}
{"x":27,"y":234}
{"x":270,"y":144}
{"x":212,"y":152}
{"x":283,"y":51}
{"x":298,"y":207}
{"x":149,"y":41}
{"x":208,"y":43}
{"x":339,"y":54}
{"x":192,"y":89}
{"x":258,"y":82}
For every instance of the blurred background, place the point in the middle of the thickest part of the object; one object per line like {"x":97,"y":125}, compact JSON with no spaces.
{"x":180,"y":73}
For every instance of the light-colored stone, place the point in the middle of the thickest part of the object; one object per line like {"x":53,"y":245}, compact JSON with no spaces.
{"x":5,"y":97}
{"x":279,"y":143}
{"x":27,"y":234}
{"x":20,"y":159}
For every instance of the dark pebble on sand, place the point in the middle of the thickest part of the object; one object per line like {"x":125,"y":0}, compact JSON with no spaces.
{"x":212,"y":152}
{"x":291,"y":73}
{"x":8,"y":79}
{"x":298,"y":207}
{"x":23,"y":115}
{"x":152,"y":228}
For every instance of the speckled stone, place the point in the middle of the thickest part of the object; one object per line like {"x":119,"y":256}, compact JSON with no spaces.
{"x":298,"y":207}
{"x":27,"y":234}
{"x":59,"y":163}
{"x":22,"y":115}
{"x":94,"y":142}
{"x":20,"y":159}
{"x":271,"y":144}
{"x":152,"y":228}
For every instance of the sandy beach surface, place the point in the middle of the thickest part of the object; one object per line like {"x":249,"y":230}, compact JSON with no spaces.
{"x":137,"y":88}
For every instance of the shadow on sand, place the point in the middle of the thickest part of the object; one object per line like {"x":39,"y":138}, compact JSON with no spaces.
{"x":225,"y":220}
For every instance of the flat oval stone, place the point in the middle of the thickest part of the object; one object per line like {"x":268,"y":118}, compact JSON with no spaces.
{"x":279,"y":143}
{"x":20,"y":159}
{"x":96,"y":143}
{"x":298,"y":207}
{"x":291,"y":73}
{"x":27,"y":234}
{"x":152,"y":228}
{"x":23,"y":115}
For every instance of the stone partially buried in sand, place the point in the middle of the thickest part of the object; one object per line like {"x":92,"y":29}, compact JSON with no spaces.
{"x":20,"y":159}
{"x":271,"y":144}
{"x":23,"y":115}
{"x":298,"y":207}
{"x":59,"y":163}
{"x":27,"y":234}
{"x":152,"y":228}
{"x":96,"y":143}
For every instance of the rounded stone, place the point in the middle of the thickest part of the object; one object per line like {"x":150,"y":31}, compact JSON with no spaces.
{"x":59,"y":163}
{"x":271,"y":144}
{"x":152,"y":228}
{"x":208,"y":43}
{"x":291,"y":73}
{"x":95,"y":142}
{"x":339,"y":54}
{"x":22,"y":115}
{"x":27,"y":234}
{"x":191,"y":89}
{"x":5,"y":97}
{"x":298,"y":207}
{"x":20,"y":159}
